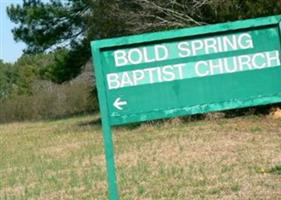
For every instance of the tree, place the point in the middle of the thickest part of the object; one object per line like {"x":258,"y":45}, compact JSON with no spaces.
{"x":19,"y":78}
{"x":69,"y":24}
{"x":7,"y":79}
{"x":72,"y":24}
{"x":30,"y":68}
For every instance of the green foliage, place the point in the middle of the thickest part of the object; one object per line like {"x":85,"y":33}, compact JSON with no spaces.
{"x":7,"y":79}
{"x":74,"y":23}
{"x":230,"y":10}
{"x":27,"y":71}
{"x":18,"y":78}
{"x":43,"y":25}
{"x":48,"y":101}
{"x":25,"y":95}
{"x":276,"y":170}
{"x":55,"y":65}
{"x":58,"y":24}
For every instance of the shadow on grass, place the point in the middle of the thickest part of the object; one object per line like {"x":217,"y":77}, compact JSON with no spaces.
{"x":160,"y":122}
{"x":94,"y":122}
{"x":258,"y":110}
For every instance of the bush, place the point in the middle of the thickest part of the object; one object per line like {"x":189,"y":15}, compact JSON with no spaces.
{"x":49,"y":100}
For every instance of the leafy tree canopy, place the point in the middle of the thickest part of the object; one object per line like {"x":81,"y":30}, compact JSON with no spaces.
{"x":58,"y":24}
{"x":20,"y":77}
{"x":68,"y":26}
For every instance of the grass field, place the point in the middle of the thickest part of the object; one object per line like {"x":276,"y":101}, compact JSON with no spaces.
{"x":238,"y":158}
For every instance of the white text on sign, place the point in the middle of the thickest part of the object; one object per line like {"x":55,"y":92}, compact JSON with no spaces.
{"x":184,"y":49}
{"x":185,"y":70}
{"x":205,"y":68}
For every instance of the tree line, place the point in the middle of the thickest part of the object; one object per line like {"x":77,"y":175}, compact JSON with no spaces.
{"x":72,"y":24}
{"x":58,"y":32}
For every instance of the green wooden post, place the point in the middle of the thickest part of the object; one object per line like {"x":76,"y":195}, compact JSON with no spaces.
{"x":107,"y":134}
{"x":110,"y":163}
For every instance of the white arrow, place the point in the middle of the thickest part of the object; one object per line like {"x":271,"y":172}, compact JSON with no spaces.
{"x":118,"y":103}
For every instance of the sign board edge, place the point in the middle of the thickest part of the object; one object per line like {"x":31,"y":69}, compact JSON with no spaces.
{"x":188,"y":32}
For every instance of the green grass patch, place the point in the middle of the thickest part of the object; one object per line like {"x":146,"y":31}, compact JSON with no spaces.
{"x":174,"y":159}
{"x":276,"y":170}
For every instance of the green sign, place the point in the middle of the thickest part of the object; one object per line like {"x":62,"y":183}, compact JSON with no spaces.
{"x":186,"y":71}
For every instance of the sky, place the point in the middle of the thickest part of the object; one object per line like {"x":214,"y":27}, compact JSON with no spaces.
{"x":10,"y":50}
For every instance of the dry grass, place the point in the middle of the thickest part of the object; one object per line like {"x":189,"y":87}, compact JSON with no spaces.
{"x":237,"y":158}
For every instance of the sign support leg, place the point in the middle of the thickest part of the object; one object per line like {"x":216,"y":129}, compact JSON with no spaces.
{"x":110,"y":162}
{"x":106,"y":128}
